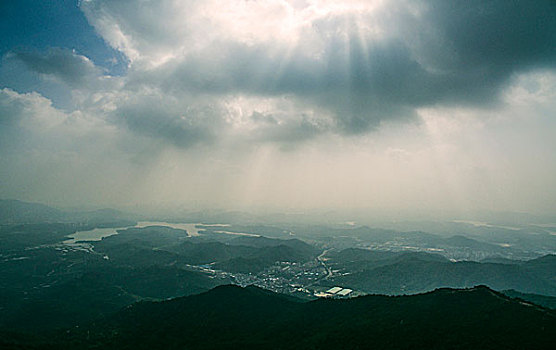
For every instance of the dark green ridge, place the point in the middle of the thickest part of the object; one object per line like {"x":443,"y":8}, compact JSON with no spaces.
{"x":231,"y":317}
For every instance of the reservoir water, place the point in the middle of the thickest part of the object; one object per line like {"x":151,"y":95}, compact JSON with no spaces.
{"x":192,"y":229}
{"x":92,"y":235}
{"x":98,"y":234}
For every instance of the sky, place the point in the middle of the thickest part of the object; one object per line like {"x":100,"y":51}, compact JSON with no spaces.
{"x":389,"y":106}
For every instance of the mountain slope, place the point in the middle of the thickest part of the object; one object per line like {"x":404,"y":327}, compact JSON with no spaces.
{"x":18,"y":212}
{"x":542,"y":300}
{"x":409,"y":273}
{"x":250,"y":318}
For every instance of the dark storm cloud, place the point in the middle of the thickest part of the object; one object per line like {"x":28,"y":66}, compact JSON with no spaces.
{"x":179,"y":124}
{"x":498,"y":34}
{"x":64,"y":64}
{"x":454,"y":52}
{"x":451,"y":52}
{"x":478,"y":45}
{"x":427,"y":53}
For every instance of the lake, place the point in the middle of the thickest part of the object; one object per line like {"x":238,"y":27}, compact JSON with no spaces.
{"x":98,"y":234}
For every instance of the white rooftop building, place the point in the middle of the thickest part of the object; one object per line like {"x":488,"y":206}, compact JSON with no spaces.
{"x":334,"y":290}
{"x":344,"y":292}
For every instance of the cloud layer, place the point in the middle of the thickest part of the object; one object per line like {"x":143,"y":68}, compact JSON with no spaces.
{"x":358,"y":63}
{"x":238,"y":87}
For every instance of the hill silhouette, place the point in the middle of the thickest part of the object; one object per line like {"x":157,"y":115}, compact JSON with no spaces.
{"x":231,"y":317}
{"x":417,"y":272}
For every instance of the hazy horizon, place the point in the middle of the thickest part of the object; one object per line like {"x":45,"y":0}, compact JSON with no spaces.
{"x":398,"y":108}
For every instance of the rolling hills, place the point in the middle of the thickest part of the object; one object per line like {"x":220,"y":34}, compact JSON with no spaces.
{"x":231,"y":317}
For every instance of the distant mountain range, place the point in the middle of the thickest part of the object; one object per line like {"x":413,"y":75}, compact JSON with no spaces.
{"x":231,"y":317}
{"x":408,"y":273}
{"x":60,"y":286}
{"x":46,"y":284}
{"x":157,"y":245}
{"x":19,"y":212}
